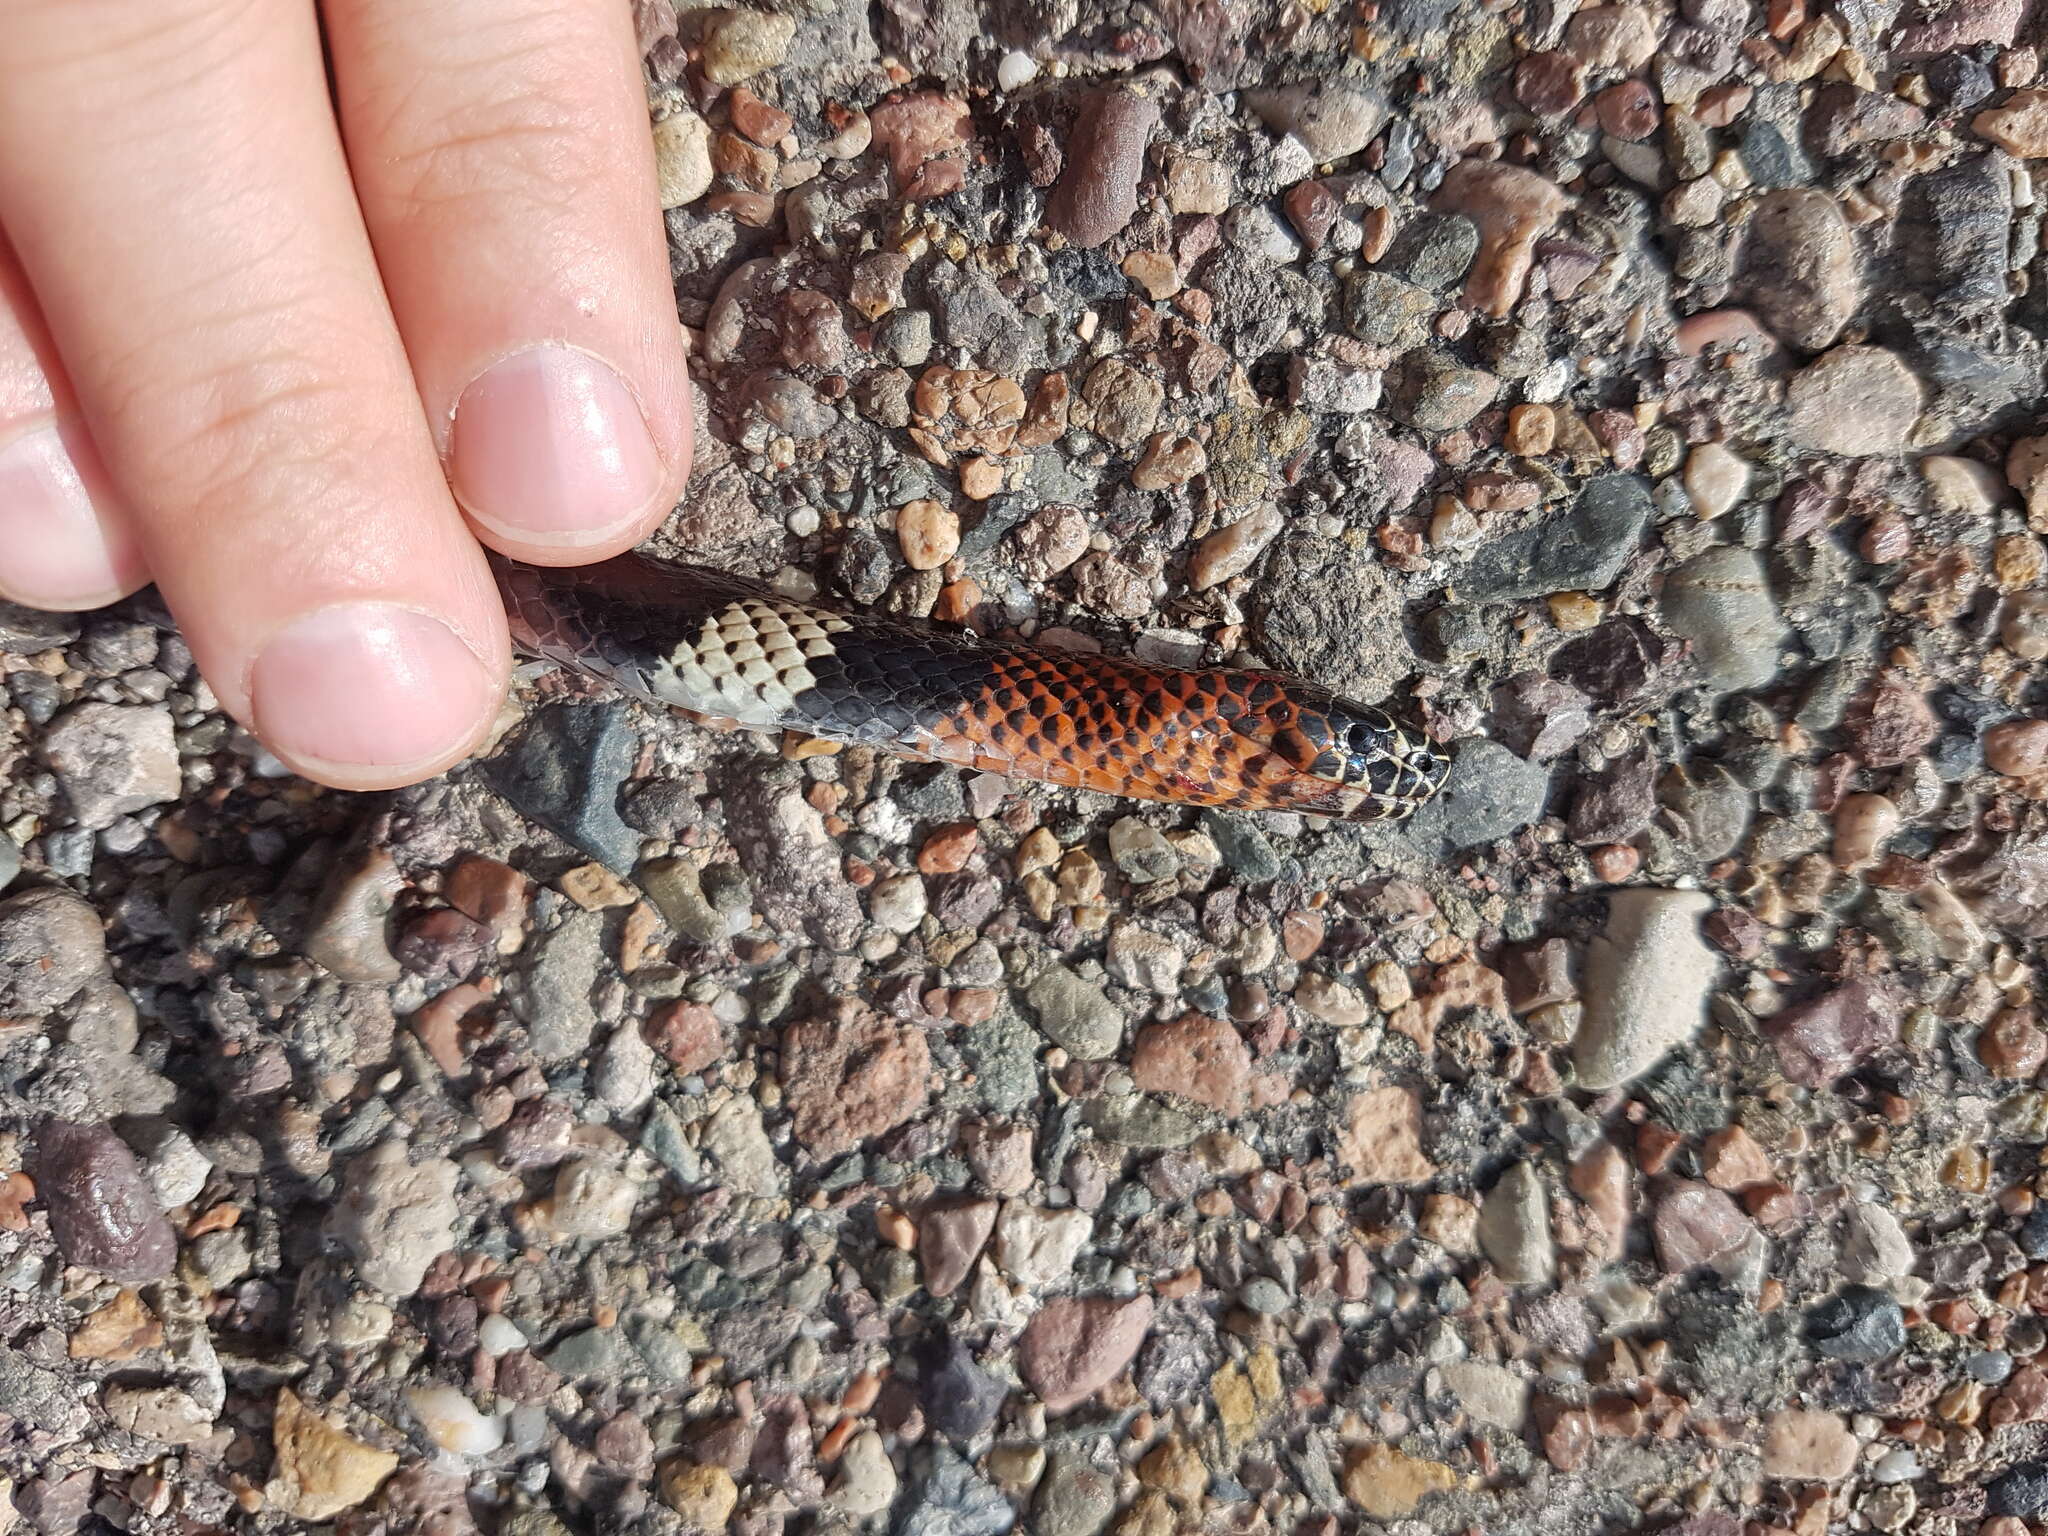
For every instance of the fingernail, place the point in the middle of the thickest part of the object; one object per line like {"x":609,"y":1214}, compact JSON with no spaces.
{"x":549,"y":445}
{"x":367,"y":687}
{"x":54,"y":552}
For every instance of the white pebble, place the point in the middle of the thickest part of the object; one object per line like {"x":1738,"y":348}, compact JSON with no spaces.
{"x":1016,"y":70}
{"x":497,"y":1334}
{"x":1715,"y":478}
{"x":454,"y":1423}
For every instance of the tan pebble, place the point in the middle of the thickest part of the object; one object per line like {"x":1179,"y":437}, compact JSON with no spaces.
{"x":895,"y":1228}
{"x":2012,"y":1045}
{"x":980,"y":479}
{"x":1862,"y":823}
{"x":1571,"y":611}
{"x":2024,"y":629}
{"x":2017,"y":747}
{"x":1888,"y":539}
{"x":2019,"y":126}
{"x":1039,"y":850}
{"x":1532,"y":430}
{"x":2016,"y":561}
{"x":1168,"y":461}
{"x":595,"y":888}
{"x":1154,"y":272}
{"x":1715,"y":478}
{"x":928,"y":533}
{"x":1231,"y":551}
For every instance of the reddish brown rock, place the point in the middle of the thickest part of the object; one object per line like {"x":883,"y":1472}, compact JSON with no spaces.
{"x":915,"y":128}
{"x":1382,"y":1139}
{"x":1696,"y":1224}
{"x":1076,"y":1346}
{"x":950,"y":1238}
{"x":103,"y":1211}
{"x":852,"y":1074}
{"x":1820,"y":1040}
{"x":1098,"y":190}
{"x":1196,"y":1057}
{"x":1731,"y":1159}
{"x":1514,"y":208}
{"x":687,"y":1035}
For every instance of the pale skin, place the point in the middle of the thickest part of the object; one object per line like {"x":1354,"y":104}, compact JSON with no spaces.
{"x":297,"y":356}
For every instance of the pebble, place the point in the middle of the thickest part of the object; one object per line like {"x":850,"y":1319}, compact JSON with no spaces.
{"x":1194,"y":1057}
{"x":739,"y":45}
{"x":1097,"y":192}
{"x":1074,"y":1014}
{"x":103,"y":1210}
{"x":1859,"y":1324}
{"x":1381,"y":1142}
{"x":2019,"y":126}
{"x":960,"y":1399}
{"x":1715,"y":479}
{"x":1853,"y":401}
{"x":1875,"y":1248}
{"x":1489,"y":794}
{"x":792,"y":862}
{"x":1125,"y":401}
{"x":1334,"y":119}
{"x":1433,"y":392}
{"x":682,"y":158}
{"x":1581,"y":551}
{"x":2017,"y":747}
{"x":1075,"y":1346}
{"x":676,"y":888}
{"x":1820,"y":1040}
{"x":1797,"y":269}
{"x":866,"y":1483}
{"x":928,"y":533}
{"x":850,"y":1074}
{"x":953,"y":1499}
{"x":321,"y":1469}
{"x":2020,"y":1492}
{"x":1141,"y":851}
{"x":453,"y":1422}
{"x":899,"y":903}
{"x":52,"y":948}
{"x":1809,"y":1445}
{"x":1514,"y":1228}
{"x":1235,"y":548}
{"x":564,"y":769}
{"x":1387,"y":1484}
{"x":1513,"y":208}
{"x":1647,"y":978}
{"x":702,"y":1494}
{"x":113,"y":760}
{"x":395,"y":1216}
{"x":1492,"y":1394}
{"x":1037,"y":1247}
{"x":1721,"y":601}
{"x":1697,"y":1224}
{"x":950,"y":1238}
{"x":555,"y":998}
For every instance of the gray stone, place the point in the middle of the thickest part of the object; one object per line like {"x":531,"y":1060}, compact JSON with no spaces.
{"x":395,"y":1216}
{"x":1330,"y":612}
{"x":555,"y":1000}
{"x":1333,"y":118}
{"x":1074,"y":1498}
{"x":1140,"y":1122}
{"x":738,"y":1146}
{"x":564,"y":769}
{"x":1489,"y":794}
{"x":1247,"y":851}
{"x":113,"y":759}
{"x":1853,"y":401}
{"x":1433,"y":392}
{"x":1646,"y":985}
{"x":952,"y":1499}
{"x":1075,"y":1014}
{"x":1514,"y":1228}
{"x":1385,"y":310}
{"x":1721,"y":601}
{"x":41,"y":1399}
{"x":798,"y":875}
{"x":1492,"y":1394}
{"x":677,"y":891}
{"x":1798,"y":266}
{"x":52,"y":947}
{"x":1582,"y":551}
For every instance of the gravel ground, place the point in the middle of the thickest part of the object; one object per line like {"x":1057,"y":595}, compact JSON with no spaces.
{"x":647,"y":1129}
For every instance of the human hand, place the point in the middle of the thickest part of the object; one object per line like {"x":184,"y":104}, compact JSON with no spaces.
{"x":252,"y":334}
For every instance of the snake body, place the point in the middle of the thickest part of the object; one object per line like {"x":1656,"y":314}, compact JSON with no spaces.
{"x":715,"y":645}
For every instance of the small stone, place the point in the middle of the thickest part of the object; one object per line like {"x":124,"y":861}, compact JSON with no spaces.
{"x":1696,"y":1224}
{"x":928,"y":533}
{"x":899,"y":903}
{"x":866,"y":1484}
{"x":2018,"y":1493}
{"x":348,"y":934}
{"x":53,"y":949}
{"x":2019,"y":126}
{"x":1155,"y":272}
{"x":916,"y":128}
{"x":1097,"y":192}
{"x":1582,"y":551}
{"x":1334,"y":119}
{"x":113,"y":760}
{"x":1037,"y":1247}
{"x":1074,"y":1347}
{"x":2012,"y":1045}
{"x":120,"y":1330}
{"x":1168,"y":461}
{"x":1721,"y":601}
{"x":1821,"y":1040}
{"x":764,"y":124}
{"x":1853,"y":401}
{"x":950,"y":1238}
{"x":1647,"y":979}
{"x":1809,"y":1445}
{"x":1386,"y":1484}
{"x":103,"y":1211}
{"x":321,"y":1470}
{"x":555,"y":999}
{"x":564,"y":769}
{"x":1074,"y":1014}
{"x":453,"y":1422}
{"x":2017,"y":747}
{"x":1235,"y":548}
{"x":1125,"y":401}
{"x":703,"y":1495}
{"x":1798,"y":266}
{"x":954,"y":1500}
{"x":1513,"y":208}
{"x":1435,"y":393}
{"x":682,"y":158}
{"x":1382,"y":1138}
{"x":1142,"y":852}
{"x":1859,"y":1324}
{"x":1875,"y":1248}
{"x":1890,"y":722}
{"x":1514,"y":1228}
{"x":1731,"y":1159}
{"x":1194,"y":1057}
{"x":1492,"y":1394}
{"x":395,"y":1217}
{"x":850,"y":1074}
{"x":739,"y":45}
{"x":1715,"y":479}
{"x":959,"y":1398}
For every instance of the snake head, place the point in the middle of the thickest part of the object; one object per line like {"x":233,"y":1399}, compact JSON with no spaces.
{"x":1331,"y":756}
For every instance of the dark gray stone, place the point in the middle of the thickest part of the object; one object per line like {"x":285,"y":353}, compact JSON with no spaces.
{"x":1858,"y":1324}
{"x":959,"y":1398}
{"x":564,"y":771}
{"x":1247,"y":851}
{"x":2021,"y":1492}
{"x":1331,"y":612}
{"x":952,"y":1499}
{"x":1489,"y":794}
{"x":1582,"y":551}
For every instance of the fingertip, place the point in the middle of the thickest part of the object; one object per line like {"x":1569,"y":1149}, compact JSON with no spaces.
{"x":62,"y":545}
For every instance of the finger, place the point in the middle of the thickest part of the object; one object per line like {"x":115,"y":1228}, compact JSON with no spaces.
{"x":238,"y":368}
{"x":65,"y":540}
{"x":515,"y":218}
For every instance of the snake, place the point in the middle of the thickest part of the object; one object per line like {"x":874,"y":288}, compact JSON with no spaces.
{"x":727,"y":649}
